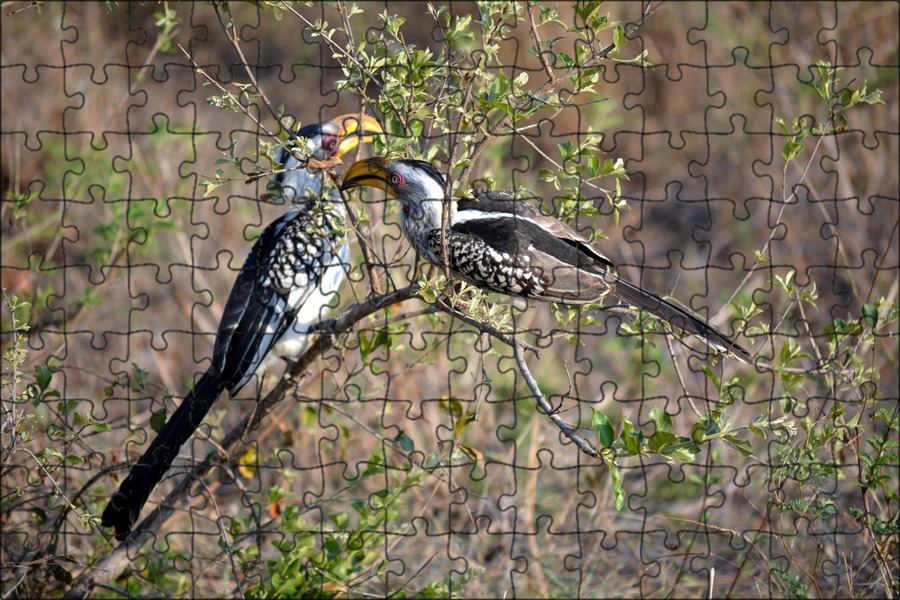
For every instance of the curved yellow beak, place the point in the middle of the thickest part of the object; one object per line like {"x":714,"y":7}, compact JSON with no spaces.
{"x":369,"y":172}
{"x":352,"y":132}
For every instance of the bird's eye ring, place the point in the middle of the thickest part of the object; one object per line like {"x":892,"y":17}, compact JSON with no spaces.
{"x":331,"y":143}
{"x":396,"y":179}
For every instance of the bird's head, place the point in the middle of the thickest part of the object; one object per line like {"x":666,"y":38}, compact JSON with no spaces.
{"x":417,"y":184}
{"x":339,"y":135}
{"x":411,"y":181}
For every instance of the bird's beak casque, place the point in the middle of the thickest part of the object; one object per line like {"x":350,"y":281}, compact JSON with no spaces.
{"x":353,"y":132}
{"x":371,"y":172}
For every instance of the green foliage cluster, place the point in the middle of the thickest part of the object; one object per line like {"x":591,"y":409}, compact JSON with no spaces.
{"x":333,"y":563}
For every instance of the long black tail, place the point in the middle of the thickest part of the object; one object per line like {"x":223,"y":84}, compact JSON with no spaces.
{"x":661,"y":309}
{"x":125,"y":506}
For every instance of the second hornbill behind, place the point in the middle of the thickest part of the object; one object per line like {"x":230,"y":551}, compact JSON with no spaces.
{"x":503,"y":244}
{"x":284,"y":287}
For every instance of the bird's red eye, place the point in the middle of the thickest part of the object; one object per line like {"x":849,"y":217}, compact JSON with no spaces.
{"x":396,"y":180}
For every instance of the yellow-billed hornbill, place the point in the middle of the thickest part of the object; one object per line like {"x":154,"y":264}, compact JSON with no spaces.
{"x":284,"y":287}
{"x":503,"y":244}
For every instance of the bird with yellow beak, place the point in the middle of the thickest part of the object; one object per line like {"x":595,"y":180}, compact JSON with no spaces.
{"x":284,"y":287}
{"x":503,"y":244}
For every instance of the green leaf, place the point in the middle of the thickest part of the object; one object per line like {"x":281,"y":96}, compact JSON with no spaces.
{"x":546,"y":175}
{"x":209,"y":186}
{"x":820,"y":89}
{"x":631,"y":439}
{"x":566,"y":60}
{"x":790,"y":151}
{"x":55,"y":431}
{"x":614,"y":167}
{"x":870,"y":315}
{"x":461,"y":423}
{"x":42,"y":375}
{"x":712,"y":377}
{"x":549,"y":14}
{"x":619,"y":37}
{"x":158,"y":420}
{"x":365,"y":346}
{"x":698,"y":430}
{"x":341,"y":520}
{"x":427,"y":294}
{"x":685,"y":450}
{"x":66,"y":407}
{"x":47,"y":452}
{"x":662,"y":420}
{"x":604,"y":428}
{"x":587,"y":12}
{"x":791,"y":352}
{"x":618,"y":490}
{"x":782,"y":125}
{"x":742,"y":446}
{"x":660,"y":440}
{"x":406,"y":442}
{"x":101,"y":427}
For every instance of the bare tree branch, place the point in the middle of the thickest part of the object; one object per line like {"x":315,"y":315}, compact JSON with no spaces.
{"x":545,"y":406}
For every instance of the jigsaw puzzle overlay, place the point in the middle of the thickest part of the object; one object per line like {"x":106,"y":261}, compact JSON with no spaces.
{"x":738,"y":160}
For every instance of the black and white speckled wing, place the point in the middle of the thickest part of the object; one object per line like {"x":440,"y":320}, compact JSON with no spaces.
{"x":285,"y":267}
{"x":495,"y":203}
{"x":517,"y":257}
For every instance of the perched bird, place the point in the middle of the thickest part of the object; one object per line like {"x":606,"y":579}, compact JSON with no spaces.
{"x":284,"y":287}
{"x":503,"y":244}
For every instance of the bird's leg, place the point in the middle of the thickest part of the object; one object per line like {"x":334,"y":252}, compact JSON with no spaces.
{"x":325,"y":328}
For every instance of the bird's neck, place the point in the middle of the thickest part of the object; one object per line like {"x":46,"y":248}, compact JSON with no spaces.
{"x":420,"y":218}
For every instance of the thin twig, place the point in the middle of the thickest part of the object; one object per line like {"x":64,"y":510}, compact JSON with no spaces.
{"x":365,"y":245}
{"x":537,"y":40}
{"x":774,"y":227}
{"x":226,"y":546}
{"x":545,"y":406}
{"x":303,"y":161}
{"x":681,"y":376}
{"x":509,"y":340}
{"x":337,"y":48}
{"x":543,"y":154}
{"x":232,"y":38}
{"x":223,"y":90}
{"x":500,"y":126}
{"x":406,"y":316}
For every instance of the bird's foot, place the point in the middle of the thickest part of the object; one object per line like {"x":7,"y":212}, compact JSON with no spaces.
{"x":326,"y":329}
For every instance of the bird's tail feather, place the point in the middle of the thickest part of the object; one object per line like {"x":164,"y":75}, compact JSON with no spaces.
{"x":125,"y":506}
{"x":670,"y":313}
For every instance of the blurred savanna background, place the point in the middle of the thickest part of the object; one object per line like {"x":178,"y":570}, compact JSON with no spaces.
{"x":743,"y":183}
